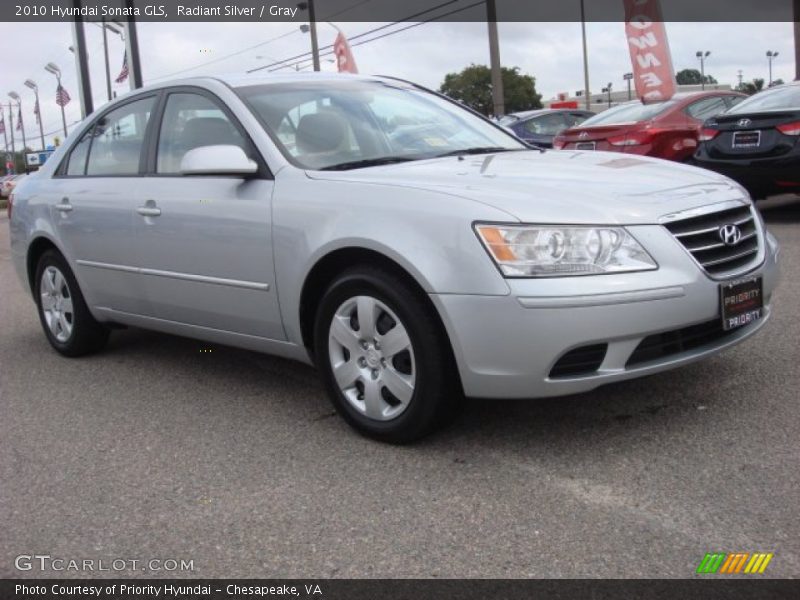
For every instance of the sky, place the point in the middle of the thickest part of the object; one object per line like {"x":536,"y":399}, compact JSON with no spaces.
{"x":551,"y":52}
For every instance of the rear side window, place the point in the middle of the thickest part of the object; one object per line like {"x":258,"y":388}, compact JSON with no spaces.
{"x":545,"y":125}
{"x":706,"y":108}
{"x":192,"y":121}
{"x":77,"y":158}
{"x":117,"y":139}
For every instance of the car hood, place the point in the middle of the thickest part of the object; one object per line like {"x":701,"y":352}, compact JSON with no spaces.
{"x":558,"y":186}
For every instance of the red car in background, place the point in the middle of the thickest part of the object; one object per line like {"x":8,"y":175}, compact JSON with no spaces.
{"x":663,"y":129}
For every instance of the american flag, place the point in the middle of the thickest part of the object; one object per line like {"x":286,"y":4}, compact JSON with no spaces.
{"x":19,"y":119}
{"x":36,"y":110}
{"x":123,"y":74}
{"x":62,"y":96}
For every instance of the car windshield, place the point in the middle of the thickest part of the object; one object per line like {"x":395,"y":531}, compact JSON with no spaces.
{"x":779,"y":98}
{"x":628,"y":113}
{"x":352,"y":123}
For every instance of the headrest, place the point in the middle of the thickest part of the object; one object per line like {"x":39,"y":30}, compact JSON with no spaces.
{"x":320,"y":132}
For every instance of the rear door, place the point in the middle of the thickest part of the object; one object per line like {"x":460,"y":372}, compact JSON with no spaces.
{"x":204,"y":243}
{"x":93,"y":198}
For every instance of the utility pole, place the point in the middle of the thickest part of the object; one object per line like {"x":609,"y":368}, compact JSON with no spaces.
{"x":82,"y":62}
{"x":797,"y":40}
{"x":498,"y":97}
{"x":585,"y":58}
{"x":312,"y":23}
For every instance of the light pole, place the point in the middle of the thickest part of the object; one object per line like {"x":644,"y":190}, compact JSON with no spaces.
{"x":32,"y":84}
{"x":770,"y":56}
{"x":607,"y":89}
{"x":15,"y":96}
{"x":585,"y":58}
{"x":628,"y":77}
{"x":11,"y":130}
{"x":106,"y":28}
{"x":703,"y":56}
{"x":53,"y":68}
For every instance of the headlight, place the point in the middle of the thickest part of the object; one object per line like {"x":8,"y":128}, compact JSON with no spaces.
{"x":559,"y":251}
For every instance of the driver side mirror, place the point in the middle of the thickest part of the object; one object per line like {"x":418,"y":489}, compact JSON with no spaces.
{"x":217,"y":160}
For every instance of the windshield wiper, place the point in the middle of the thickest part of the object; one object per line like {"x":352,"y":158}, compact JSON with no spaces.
{"x":367,"y":162}
{"x":477,"y":150}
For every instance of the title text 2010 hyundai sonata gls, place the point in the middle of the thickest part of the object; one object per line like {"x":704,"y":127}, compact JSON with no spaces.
{"x":412,"y":250}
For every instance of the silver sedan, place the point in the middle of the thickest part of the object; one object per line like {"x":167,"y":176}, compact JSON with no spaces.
{"x":411,"y":249}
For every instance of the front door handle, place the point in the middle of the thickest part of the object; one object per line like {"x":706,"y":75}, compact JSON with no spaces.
{"x":149,"y":211}
{"x":64,"y":206}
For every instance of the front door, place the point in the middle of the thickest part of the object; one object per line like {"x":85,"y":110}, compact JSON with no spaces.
{"x":93,"y":201}
{"x":204,"y":242}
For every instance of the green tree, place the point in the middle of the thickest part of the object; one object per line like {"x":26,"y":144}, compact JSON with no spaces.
{"x":752,"y":87}
{"x":692,"y":77}
{"x":473,"y":87}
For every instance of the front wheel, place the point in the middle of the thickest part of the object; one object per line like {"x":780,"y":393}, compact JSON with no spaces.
{"x":386,"y":364}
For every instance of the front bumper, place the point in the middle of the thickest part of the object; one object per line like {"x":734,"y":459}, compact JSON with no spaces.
{"x":506,"y":346}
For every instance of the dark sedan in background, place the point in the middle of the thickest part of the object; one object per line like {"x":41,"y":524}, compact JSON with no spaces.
{"x":757,"y":142}
{"x":662,"y":129}
{"x":539,"y":127}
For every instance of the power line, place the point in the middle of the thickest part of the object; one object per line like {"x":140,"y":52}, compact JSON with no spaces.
{"x":329,"y":46}
{"x":226,"y":57}
{"x":390,"y":33}
{"x":248,"y":49}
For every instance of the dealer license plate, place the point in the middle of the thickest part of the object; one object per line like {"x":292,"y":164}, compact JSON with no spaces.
{"x":746,"y":139}
{"x":742,"y":302}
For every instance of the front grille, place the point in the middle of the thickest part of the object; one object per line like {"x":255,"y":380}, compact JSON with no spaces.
{"x":580,"y":361}
{"x":662,"y":345}
{"x":701,"y":237}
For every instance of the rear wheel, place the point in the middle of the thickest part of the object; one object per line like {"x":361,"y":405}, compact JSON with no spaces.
{"x":66,"y":320}
{"x":387,"y":367}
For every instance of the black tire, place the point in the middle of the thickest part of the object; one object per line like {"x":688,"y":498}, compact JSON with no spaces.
{"x":87,"y":335}
{"x":437,"y":389}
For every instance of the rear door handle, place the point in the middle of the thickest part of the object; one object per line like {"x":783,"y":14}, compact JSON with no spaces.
{"x":64,"y":206}
{"x":149,"y":211}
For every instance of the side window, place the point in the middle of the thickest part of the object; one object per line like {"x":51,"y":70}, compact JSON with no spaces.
{"x":117,"y":139}
{"x":574,"y":119}
{"x":705,"y":108}
{"x":77,"y":158}
{"x":546,"y":125}
{"x":192,"y":121}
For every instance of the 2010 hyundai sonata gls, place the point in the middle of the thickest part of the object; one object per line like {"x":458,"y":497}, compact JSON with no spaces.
{"x":412,"y":250}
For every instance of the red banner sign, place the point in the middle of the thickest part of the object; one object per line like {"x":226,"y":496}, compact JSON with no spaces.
{"x":344,"y":56}
{"x":650,"y":56}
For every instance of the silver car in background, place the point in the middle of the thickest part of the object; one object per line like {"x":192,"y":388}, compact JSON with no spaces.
{"x":410,"y":249}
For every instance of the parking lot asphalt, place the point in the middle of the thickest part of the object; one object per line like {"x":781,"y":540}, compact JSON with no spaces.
{"x":236,"y":461}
